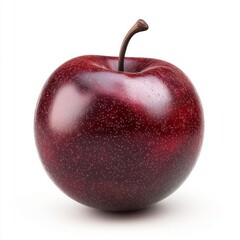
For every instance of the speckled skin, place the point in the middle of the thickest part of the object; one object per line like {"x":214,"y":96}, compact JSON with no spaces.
{"x":114,"y":140}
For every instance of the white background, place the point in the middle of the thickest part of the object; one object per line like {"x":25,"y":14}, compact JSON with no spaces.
{"x":200,"y":37}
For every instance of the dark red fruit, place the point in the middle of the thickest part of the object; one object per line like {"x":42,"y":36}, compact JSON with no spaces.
{"x":118,"y":140}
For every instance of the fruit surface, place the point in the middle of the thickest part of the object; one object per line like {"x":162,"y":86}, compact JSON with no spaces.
{"x":118,"y":140}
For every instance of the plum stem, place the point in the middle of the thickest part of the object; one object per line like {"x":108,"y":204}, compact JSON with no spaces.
{"x":139,"y":26}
